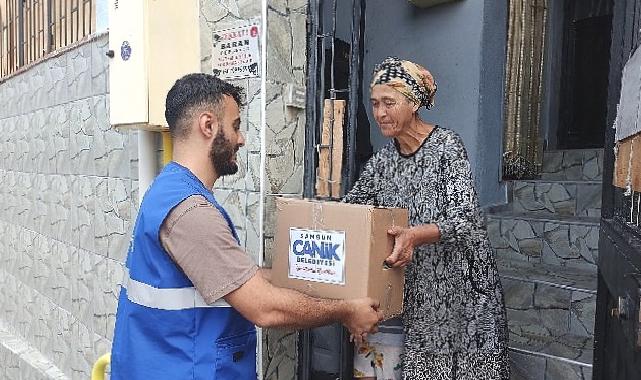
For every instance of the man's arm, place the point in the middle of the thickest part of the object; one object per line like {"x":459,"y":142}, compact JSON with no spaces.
{"x":198,"y":239}
{"x":269,"y":306}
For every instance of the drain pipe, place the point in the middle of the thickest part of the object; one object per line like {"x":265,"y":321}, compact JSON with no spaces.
{"x":167,"y":148}
{"x":146,"y":161}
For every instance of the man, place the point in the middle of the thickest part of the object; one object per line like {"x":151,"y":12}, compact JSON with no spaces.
{"x":193,"y":296}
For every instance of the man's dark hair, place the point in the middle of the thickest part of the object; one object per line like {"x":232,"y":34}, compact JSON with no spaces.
{"x":193,"y":92}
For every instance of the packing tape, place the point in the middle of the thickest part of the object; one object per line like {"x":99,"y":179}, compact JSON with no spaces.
{"x":388,"y":298}
{"x":391,"y":213}
{"x":317,"y":215}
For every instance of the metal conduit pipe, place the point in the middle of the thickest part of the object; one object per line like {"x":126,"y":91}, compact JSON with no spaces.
{"x":146,"y":161}
{"x":167,"y":147}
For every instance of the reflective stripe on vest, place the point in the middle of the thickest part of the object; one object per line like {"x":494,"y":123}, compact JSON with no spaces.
{"x":166,"y":299}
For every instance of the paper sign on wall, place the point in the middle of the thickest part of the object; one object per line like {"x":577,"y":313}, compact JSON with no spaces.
{"x":317,"y":255}
{"x":235,"y":52}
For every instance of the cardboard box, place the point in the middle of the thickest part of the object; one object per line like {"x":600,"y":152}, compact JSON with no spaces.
{"x":337,"y":250}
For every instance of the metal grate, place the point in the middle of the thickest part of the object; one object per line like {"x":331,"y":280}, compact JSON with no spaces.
{"x":627,"y":209}
{"x":30,"y":29}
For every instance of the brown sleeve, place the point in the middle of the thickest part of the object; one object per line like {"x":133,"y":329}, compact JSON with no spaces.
{"x":198,"y":239}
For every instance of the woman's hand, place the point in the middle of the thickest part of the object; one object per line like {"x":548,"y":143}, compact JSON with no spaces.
{"x":403,"y":246}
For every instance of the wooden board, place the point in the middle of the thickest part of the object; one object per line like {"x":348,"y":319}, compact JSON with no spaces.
{"x":628,"y":163}
{"x":328,"y":182}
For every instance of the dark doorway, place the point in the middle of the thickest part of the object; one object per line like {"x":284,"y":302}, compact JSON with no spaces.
{"x":334,"y":56}
{"x":585,"y":79}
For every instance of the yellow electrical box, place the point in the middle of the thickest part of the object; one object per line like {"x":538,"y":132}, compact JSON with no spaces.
{"x":152,"y":43}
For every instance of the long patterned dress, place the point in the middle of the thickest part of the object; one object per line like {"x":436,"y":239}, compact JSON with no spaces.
{"x":454,"y":313}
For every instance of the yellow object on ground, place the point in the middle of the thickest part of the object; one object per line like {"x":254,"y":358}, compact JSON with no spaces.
{"x":98,"y":371}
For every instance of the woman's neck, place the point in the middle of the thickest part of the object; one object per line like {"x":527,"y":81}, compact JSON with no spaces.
{"x":413,"y":136}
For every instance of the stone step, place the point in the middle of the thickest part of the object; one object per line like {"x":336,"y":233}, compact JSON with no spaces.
{"x":528,"y":365}
{"x":573,"y":164}
{"x":570,"y":242}
{"x":550,"y":312}
{"x":563,"y":198}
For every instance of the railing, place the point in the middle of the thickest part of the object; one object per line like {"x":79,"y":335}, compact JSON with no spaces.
{"x":31,"y":29}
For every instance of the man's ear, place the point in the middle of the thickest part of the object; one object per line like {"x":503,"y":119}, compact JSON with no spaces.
{"x":208,"y":124}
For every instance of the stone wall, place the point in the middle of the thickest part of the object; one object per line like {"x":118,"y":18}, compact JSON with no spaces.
{"x":285,"y":145}
{"x":284,"y":142}
{"x":240,"y":193}
{"x":68,"y":193}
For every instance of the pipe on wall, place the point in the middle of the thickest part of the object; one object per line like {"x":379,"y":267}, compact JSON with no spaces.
{"x":146,"y":161}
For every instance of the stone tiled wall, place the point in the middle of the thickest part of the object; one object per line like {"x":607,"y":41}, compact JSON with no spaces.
{"x":67,"y":198}
{"x":284,"y":140}
{"x":285,"y":144}
{"x":69,"y":191}
{"x":240,"y":193}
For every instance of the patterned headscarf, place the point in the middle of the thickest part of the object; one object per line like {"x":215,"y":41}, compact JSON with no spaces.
{"x":408,"y":78}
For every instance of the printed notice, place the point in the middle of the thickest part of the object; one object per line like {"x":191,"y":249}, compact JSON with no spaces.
{"x":235,"y":53}
{"x":317,"y":255}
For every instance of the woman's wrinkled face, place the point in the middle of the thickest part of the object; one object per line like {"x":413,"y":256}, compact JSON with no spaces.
{"x":392,"y":110}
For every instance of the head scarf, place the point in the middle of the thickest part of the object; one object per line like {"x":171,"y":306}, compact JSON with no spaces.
{"x":408,"y":78}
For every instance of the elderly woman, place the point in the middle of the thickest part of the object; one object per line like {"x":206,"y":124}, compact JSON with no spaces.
{"x":453,"y":326}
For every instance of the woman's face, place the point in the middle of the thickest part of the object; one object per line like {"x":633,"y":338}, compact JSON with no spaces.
{"x":392,"y":110}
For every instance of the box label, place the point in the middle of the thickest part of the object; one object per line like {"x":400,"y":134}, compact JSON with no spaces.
{"x":317,"y":255}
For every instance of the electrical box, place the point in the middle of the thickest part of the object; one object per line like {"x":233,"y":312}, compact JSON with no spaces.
{"x":152,"y":43}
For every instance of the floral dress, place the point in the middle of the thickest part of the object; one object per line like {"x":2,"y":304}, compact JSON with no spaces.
{"x":454,"y":313}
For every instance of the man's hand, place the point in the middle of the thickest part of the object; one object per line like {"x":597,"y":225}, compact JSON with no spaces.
{"x":362,"y":317}
{"x":403,"y":246}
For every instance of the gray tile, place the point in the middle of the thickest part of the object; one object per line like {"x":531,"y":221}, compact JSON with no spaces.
{"x":82,"y":130}
{"x":58,"y":69}
{"x":582,"y":313}
{"x":253,"y":244}
{"x":589,"y":200}
{"x":545,"y":197}
{"x":78,"y":72}
{"x":526,"y":367}
{"x":102,"y":300}
{"x":236,"y":181}
{"x":252,"y":177}
{"x":557,"y":369}
{"x":82,"y":355}
{"x":592,"y":165}
{"x":550,"y":297}
{"x":63,"y":266}
{"x":83,"y":283}
{"x":99,"y":65}
{"x":572,"y":164}
{"x":59,"y":209}
{"x":557,"y":239}
{"x":518,"y":294}
{"x":235,"y":203}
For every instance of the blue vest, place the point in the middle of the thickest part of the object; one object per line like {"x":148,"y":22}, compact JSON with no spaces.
{"x":164,"y":329}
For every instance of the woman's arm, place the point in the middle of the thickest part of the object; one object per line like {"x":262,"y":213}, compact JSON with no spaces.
{"x":405,"y":239}
{"x":459,"y":204}
{"x":364,"y":190}
{"x":459,"y":207}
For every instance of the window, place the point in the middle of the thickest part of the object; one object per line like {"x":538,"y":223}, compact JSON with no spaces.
{"x":31,"y":29}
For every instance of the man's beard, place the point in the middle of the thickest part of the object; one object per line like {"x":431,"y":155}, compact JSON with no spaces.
{"x":222,"y":155}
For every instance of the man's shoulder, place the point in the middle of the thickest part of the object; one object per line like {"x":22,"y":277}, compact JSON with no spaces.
{"x":196,"y":206}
